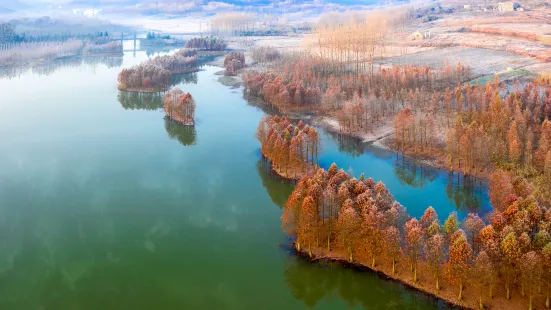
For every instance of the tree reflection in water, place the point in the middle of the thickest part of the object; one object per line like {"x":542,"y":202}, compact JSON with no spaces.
{"x":184,"y":78}
{"x":347,"y":144}
{"x":464,"y":192}
{"x":277,"y":189}
{"x":413,"y":174}
{"x":71,"y":62}
{"x":312,"y":282}
{"x":140,"y":101}
{"x":186,"y":135}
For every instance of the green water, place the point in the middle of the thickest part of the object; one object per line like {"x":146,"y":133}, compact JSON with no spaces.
{"x":105,"y":205}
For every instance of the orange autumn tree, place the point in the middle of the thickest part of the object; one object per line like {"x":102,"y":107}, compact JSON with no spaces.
{"x":293,"y":150}
{"x":414,"y":238}
{"x":459,"y":261}
{"x":180,"y":106}
{"x":483,"y":276}
{"x":531,"y":269}
{"x":511,"y":253}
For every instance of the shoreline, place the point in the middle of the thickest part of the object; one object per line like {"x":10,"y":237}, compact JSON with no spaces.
{"x":144,"y":90}
{"x":448,"y":293}
{"x":382,"y":139}
{"x":180,"y":122}
{"x":285,"y":176}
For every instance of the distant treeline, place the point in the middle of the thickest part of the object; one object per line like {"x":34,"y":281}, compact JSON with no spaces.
{"x":8,"y":34}
{"x":206,"y":44}
{"x":21,"y":53}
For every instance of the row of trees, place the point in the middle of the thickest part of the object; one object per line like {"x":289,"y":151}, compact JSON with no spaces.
{"x":154,"y":74}
{"x":359,"y":220}
{"x":352,"y":41}
{"x":180,"y":106}
{"x":383,"y":93}
{"x":292,"y":149}
{"x":234,"y":62}
{"x":9,"y":35}
{"x":206,"y":44}
{"x":112,"y":47}
{"x":23,"y":53}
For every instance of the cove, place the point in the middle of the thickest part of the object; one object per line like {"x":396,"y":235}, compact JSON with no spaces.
{"x":105,"y":205}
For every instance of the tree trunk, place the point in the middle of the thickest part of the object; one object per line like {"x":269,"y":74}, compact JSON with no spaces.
{"x":508,"y":290}
{"x":460,"y":291}
{"x":480,"y":305}
{"x":394,"y":266}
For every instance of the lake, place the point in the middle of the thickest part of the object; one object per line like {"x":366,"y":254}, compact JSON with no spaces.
{"x":106,"y":205}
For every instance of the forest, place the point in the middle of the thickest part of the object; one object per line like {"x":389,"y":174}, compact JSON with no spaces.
{"x":206,"y":44}
{"x":154,"y":75}
{"x":293,"y":150}
{"x":180,"y":107}
{"x":433,"y":113}
{"x":503,"y":259}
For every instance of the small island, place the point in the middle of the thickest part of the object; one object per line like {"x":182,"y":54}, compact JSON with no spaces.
{"x":153,"y":39}
{"x":154,"y":74}
{"x":292,"y":150}
{"x":234,"y":62}
{"x":211,"y":44}
{"x":180,"y":107}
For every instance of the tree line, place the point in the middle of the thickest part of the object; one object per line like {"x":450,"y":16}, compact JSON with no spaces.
{"x":358,"y":220}
{"x":322,"y":87}
{"x":293,"y":150}
{"x":155,"y":74}
{"x":206,"y":44}
{"x":16,"y":54}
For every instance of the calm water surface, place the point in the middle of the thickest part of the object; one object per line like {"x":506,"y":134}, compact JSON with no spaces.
{"x":105,"y":205}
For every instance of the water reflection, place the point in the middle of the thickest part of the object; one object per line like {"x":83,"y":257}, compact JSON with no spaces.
{"x":185,"y":78}
{"x":411,"y":173}
{"x":140,"y":101}
{"x":277,"y":189}
{"x":448,"y":192}
{"x":312,"y":283}
{"x":347,"y":144}
{"x":464,"y":192}
{"x":71,"y":62}
{"x":186,"y":135}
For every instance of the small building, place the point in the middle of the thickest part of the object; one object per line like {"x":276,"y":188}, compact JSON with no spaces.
{"x":508,"y":6}
{"x":467,"y":6}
